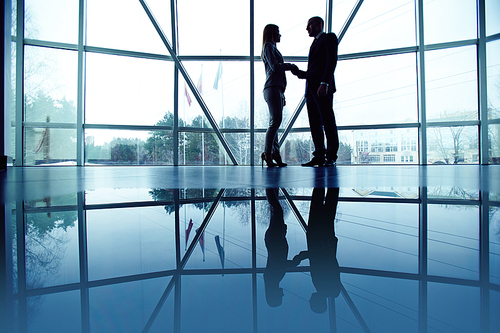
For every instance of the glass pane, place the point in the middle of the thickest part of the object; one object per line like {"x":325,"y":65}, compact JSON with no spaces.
{"x":125,"y":90}
{"x":453,"y":241}
{"x":445,"y":21}
{"x":124,"y":24}
{"x":52,"y":20}
{"x":13,"y":96}
{"x":13,"y":19}
{"x":452,"y":192}
{"x":119,"y":147}
{"x":453,"y":308}
{"x":208,"y":28}
{"x":240,"y":146}
{"x":229,"y":227}
{"x":294,"y":40}
{"x":494,"y":143}
{"x":225,"y":88}
{"x":384,"y":146}
{"x":452,"y":145}
{"x":130,"y":241}
{"x":50,"y":85}
{"x":213,"y":299}
{"x":373,"y":27}
{"x":200,"y":148}
{"x":296,"y":149}
{"x":127,"y":307}
{"x":493,"y":78}
{"x":494,"y":216}
{"x":379,"y":297}
{"x":492,"y":15}
{"x":51,"y":248}
{"x":370,"y":231}
{"x":41,"y":310}
{"x":376,"y":90}
{"x":451,"y":84}
{"x":53,"y":146}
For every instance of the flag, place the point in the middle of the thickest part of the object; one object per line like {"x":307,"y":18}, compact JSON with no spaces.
{"x":220,"y":249}
{"x":188,"y":230}
{"x":202,"y":243}
{"x":200,"y":82}
{"x":186,"y":92}
{"x":218,"y":76}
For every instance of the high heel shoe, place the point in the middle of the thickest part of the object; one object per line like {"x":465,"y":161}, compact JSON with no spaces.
{"x":268,"y":159}
{"x":277,"y":158}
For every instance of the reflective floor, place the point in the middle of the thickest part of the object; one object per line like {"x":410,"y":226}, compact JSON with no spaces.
{"x":246,"y":249}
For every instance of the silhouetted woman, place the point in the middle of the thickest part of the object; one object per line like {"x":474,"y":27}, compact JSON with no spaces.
{"x":274,"y":92}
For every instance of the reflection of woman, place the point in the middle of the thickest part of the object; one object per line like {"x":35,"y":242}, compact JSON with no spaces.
{"x":277,"y":251}
{"x":274,"y":92}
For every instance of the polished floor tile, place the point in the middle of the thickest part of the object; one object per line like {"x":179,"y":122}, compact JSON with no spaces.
{"x":237,"y":249}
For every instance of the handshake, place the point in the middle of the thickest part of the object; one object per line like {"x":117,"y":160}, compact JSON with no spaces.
{"x":296,"y":71}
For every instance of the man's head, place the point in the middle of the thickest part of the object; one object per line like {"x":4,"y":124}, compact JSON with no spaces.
{"x":315,"y":26}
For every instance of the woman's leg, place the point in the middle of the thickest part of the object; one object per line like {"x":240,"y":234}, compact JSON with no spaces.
{"x":274,"y":98}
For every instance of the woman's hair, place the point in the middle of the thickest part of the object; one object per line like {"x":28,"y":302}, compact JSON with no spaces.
{"x":268,"y":34}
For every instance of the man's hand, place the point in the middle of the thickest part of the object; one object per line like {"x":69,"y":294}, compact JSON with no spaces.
{"x":322,"y":90}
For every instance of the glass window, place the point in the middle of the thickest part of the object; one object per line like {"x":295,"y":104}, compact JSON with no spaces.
{"x":296,"y":149}
{"x":451,"y":84}
{"x":40,"y":311}
{"x":376,"y":90}
{"x":452,"y":145}
{"x":494,"y":245}
{"x":225,"y":89}
{"x":48,"y":145}
{"x":50,"y":85}
{"x":129,"y":241}
{"x":51,"y":246}
{"x":124,"y":24}
{"x":445,"y":21}
{"x":353,"y":150}
{"x":493,"y":78}
{"x":494,"y":143}
{"x":121,"y":147}
{"x":52,"y":20}
{"x":379,"y":230}
{"x":373,"y":27}
{"x":213,"y":27}
{"x":295,"y":40}
{"x":453,"y":241}
{"x":453,"y":307}
{"x":128,"y":91}
{"x":492,"y":15}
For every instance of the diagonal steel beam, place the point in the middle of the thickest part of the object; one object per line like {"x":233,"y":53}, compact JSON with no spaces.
{"x":294,"y":209}
{"x":354,"y":309}
{"x":189,"y":82}
{"x":349,"y":19}
{"x":303,"y":100}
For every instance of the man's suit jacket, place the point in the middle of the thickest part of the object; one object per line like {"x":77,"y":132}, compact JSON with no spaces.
{"x":322,"y":61}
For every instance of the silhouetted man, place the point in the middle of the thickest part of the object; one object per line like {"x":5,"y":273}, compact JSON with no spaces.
{"x":320,"y":86}
{"x":322,"y":248}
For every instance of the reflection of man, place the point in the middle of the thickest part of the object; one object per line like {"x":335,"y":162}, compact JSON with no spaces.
{"x":320,"y":86}
{"x":277,"y":251}
{"x":322,"y":248}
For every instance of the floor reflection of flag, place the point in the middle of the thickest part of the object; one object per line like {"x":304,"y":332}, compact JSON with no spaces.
{"x":202,"y":243}
{"x":188,"y":230}
{"x":220,"y":249}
